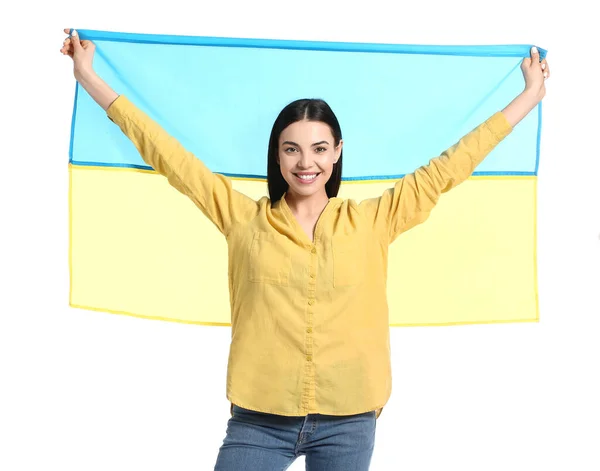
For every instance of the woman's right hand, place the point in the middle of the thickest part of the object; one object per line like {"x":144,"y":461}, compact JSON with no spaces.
{"x":82,"y":53}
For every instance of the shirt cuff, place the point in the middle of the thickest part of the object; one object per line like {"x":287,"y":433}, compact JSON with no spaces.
{"x":118,"y":109}
{"x":499,"y":125}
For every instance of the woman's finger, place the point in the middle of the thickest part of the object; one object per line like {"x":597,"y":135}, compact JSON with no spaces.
{"x":75,"y":41}
{"x":545,"y":68}
{"x":535,"y":55}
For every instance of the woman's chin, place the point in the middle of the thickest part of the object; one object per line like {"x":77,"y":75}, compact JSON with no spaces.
{"x":306,"y":190}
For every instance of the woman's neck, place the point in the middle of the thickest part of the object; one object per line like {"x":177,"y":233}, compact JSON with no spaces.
{"x":307,"y":206}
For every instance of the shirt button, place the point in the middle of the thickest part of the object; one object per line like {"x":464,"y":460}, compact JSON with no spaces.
{"x":312,"y":275}
{"x":314,"y":250}
{"x":309,"y":330}
{"x":308,"y":357}
{"x":311,"y":302}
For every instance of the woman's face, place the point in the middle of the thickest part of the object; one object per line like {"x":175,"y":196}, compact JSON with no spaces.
{"x":307,"y":153}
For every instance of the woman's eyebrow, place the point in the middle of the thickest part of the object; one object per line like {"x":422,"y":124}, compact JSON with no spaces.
{"x":294,"y":144}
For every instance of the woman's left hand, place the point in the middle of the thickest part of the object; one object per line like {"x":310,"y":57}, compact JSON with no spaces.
{"x":535,"y":73}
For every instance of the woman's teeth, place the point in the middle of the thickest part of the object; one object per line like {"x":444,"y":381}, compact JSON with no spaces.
{"x":308,"y":177}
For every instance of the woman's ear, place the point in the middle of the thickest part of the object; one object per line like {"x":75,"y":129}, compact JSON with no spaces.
{"x":338,"y":151}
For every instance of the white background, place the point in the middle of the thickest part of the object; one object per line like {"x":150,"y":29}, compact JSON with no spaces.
{"x":84,"y":390}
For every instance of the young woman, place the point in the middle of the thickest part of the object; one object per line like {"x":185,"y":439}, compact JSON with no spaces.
{"x":309,"y":367}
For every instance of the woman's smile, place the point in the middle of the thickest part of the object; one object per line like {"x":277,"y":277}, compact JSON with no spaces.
{"x":306,"y":178}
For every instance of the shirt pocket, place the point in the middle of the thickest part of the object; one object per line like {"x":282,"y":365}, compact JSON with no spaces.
{"x":270,"y":261}
{"x":348,"y":261}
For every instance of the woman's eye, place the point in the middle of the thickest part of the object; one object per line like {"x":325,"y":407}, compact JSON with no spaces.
{"x":321,"y":149}
{"x":290,"y":149}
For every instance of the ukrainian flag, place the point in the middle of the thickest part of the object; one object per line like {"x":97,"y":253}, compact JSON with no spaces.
{"x":139,"y":247}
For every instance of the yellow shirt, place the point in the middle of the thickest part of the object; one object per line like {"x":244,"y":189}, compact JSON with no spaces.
{"x":310,"y":328}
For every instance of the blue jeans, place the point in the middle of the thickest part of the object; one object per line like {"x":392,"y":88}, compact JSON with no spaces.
{"x":256,"y":441}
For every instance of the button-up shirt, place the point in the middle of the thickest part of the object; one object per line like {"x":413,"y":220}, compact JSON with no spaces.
{"x":309,"y":318}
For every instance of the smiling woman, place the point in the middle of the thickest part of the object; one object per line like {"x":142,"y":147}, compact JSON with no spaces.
{"x":309,"y":369}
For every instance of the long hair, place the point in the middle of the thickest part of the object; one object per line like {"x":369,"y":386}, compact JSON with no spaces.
{"x":312,"y":110}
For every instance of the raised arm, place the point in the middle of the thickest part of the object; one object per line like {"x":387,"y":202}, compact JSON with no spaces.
{"x":413,"y":197}
{"x":212,"y":193}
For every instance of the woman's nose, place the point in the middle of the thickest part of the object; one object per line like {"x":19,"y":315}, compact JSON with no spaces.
{"x":305,"y":160}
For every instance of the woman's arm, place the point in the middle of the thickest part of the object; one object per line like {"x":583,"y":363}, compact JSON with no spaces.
{"x":82,"y":53}
{"x":97,"y":88}
{"x":410,"y":201}
{"x":212,"y":193}
{"x":535,"y":73}
{"x":412,"y":198}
